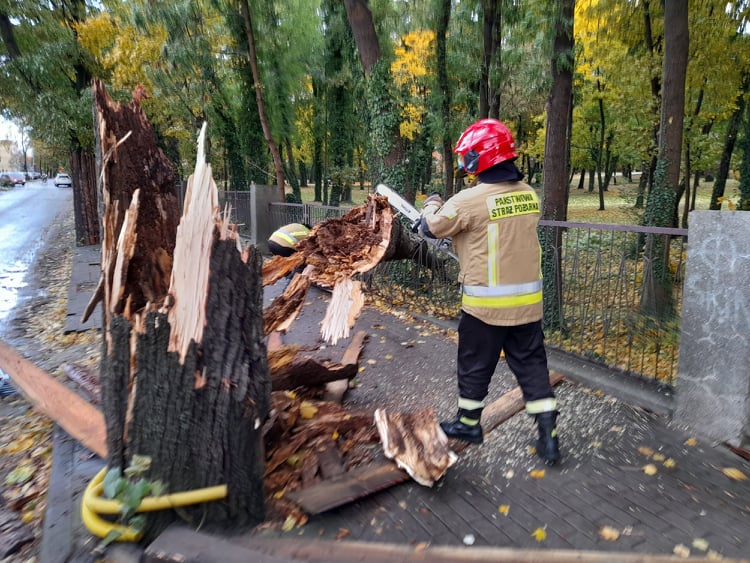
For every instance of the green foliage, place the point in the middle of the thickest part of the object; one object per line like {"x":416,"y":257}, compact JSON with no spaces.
{"x":129,"y":488}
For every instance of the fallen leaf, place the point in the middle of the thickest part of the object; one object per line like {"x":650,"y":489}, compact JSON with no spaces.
{"x":19,"y":475}
{"x":421,"y":546}
{"x":343,"y":532}
{"x":659,"y":457}
{"x":691,"y":442}
{"x":307,"y":410}
{"x":361,"y":369}
{"x":289,"y":523}
{"x":372,"y":362}
{"x":388,"y":357}
{"x":402,"y":504}
{"x":670,"y":463}
{"x":540,"y":534}
{"x":335,"y":435}
{"x":537,"y":473}
{"x":650,"y":469}
{"x":734,"y":473}
{"x":469,"y":539}
{"x":646,"y":451}
{"x":509,"y":474}
{"x":608,"y":533}
{"x":681,"y":551}
{"x":503,"y":509}
{"x":700,"y":544}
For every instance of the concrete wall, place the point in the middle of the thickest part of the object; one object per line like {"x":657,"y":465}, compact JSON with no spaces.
{"x":713,"y":377}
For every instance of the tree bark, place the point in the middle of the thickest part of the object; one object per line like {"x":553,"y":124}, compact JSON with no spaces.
{"x":184,"y":372}
{"x":660,"y":205}
{"x":557,"y":140}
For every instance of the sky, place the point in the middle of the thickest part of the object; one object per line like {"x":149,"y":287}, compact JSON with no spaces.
{"x":8,"y":130}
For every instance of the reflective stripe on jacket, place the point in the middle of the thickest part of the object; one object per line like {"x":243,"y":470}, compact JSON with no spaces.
{"x":289,"y":235}
{"x":494,"y":231}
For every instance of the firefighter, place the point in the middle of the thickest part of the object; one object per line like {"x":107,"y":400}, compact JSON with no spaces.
{"x":284,"y":239}
{"x":494,"y":229}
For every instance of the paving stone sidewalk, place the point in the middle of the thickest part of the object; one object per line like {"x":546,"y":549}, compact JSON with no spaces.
{"x":601,"y":502}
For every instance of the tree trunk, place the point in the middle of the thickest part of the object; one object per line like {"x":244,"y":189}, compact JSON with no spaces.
{"x":660,"y":206}
{"x":184,"y":372}
{"x":386,"y":163}
{"x":258,"y":86}
{"x":557,"y":140}
{"x":444,"y":86}
{"x":491,"y":14}
{"x":86,"y":205}
{"x":733,"y":128}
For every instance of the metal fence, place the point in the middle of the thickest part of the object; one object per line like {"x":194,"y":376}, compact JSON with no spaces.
{"x":306,"y":213}
{"x":605,"y":274}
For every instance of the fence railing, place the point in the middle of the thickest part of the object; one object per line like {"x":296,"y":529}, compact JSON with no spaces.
{"x":613,"y":293}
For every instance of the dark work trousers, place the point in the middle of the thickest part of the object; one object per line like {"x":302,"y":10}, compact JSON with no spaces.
{"x":277,"y":250}
{"x":479,"y":347}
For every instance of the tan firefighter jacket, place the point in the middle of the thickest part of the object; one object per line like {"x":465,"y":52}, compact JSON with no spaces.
{"x":494,"y":231}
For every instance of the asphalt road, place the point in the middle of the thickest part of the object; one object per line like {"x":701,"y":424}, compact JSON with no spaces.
{"x":26,"y":214}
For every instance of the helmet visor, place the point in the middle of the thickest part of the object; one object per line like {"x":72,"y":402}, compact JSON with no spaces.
{"x":460,"y":160}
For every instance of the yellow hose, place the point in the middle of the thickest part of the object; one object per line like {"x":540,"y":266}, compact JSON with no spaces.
{"x":92,"y":505}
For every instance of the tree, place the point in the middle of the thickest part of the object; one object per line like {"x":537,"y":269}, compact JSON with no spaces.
{"x":258,"y":87}
{"x":385,"y":151}
{"x":48,"y":68}
{"x":660,"y":206}
{"x":557,"y":153}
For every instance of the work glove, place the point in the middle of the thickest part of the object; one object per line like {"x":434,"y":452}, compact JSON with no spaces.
{"x":433,"y":199}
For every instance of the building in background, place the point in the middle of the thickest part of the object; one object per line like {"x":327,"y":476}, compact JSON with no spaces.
{"x":10,"y":157}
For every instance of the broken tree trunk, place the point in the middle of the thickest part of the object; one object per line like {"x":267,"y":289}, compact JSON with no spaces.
{"x":336,"y":251}
{"x":184,"y":373}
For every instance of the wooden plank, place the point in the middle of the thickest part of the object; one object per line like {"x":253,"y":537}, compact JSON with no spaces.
{"x":78,"y":417}
{"x":378,"y":475}
{"x":335,"y":390}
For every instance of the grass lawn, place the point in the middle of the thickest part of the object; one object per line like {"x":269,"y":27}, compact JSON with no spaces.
{"x":583,"y":206}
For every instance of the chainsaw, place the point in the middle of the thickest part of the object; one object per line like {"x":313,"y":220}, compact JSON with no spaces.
{"x":410,"y":212}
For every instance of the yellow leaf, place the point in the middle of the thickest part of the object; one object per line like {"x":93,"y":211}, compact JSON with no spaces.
{"x":27,"y":517}
{"x":388,"y":357}
{"x":336,"y":434}
{"x":650,"y":469}
{"x":700,"y":544}
{"x":670,"y":463}
{"x":503,"y":509}
{"x":691,"y":442}
{"x":646,"y":451}
{"x":361,"y":369}
{"x":372,"y":362}
{"x":540,"y":534}
{"x":735,"y":474}
{"x":607,"y":533}
{"x":537,"y":474}
{"x":278,"y":494}
{"x":307,"y":410}
{"x":659,"y":457}
{"x":289,"y":523}
{"x":681,"y":551}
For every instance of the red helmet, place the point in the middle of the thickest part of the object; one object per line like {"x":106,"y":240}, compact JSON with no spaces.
{"x":484,"y":144}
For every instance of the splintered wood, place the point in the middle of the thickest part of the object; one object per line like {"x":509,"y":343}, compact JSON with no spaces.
{"x":416,"y":443}
{"x":334,"y":253}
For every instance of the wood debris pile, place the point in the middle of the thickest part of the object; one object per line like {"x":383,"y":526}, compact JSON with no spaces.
{"x":307,"y":442}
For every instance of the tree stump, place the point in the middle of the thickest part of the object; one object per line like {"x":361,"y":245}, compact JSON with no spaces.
{"x":184,"y":372}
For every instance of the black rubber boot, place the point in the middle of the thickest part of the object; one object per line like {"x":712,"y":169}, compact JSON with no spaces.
{"x":547,"y":446}
{"x":462,"y":431}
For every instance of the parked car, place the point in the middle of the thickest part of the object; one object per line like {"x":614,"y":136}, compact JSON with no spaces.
{"x":63,"y":181}
{"x":18,"y":178}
